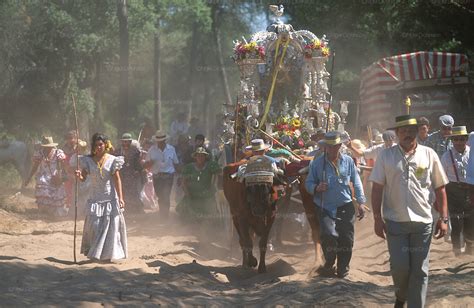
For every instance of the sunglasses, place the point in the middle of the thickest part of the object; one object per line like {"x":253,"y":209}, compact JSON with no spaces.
{"x":458,"y":138}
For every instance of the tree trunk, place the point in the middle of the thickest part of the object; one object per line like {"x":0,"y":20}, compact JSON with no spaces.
{"x":157,"y":79}
{"x":208,"y":115}
{"x":192,"y":67}
{"x":99,"y":108}
{"x":123,"y":109}
{"x":220,"y":58}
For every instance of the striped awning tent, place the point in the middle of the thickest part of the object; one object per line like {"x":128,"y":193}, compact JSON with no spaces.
{"x":384,"y":75}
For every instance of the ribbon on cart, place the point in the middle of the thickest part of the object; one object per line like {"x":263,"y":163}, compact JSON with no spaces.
{"x":274,"y":77}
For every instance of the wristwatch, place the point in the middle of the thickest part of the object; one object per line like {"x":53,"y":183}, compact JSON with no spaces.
{"x":444,"y":219}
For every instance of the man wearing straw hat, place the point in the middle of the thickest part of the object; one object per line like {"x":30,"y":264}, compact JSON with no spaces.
{"x":461,"y":214}
{"x":403,"y":176}
{"x":331,"y":188}
{"x":257,"y":146}
{"x":162,"y":159}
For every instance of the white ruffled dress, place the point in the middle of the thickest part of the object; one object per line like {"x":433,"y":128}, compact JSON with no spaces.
{"x":105,"y":233}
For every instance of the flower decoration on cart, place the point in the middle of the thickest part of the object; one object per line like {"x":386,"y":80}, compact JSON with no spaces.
{"x":283,"y":79}
{"x":291,"y":131}
{"x":244,"y":50}
{"x":317,"y":48}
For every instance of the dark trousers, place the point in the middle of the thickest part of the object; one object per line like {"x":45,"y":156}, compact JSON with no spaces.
{"x":337,"y":236}
{"x":163,"y":183}
{"x":461,"y":215}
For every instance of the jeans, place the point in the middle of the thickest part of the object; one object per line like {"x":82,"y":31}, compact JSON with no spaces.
{"x":337,"y":236}
{"x":409,"y":246}
{"x":163,"y":183}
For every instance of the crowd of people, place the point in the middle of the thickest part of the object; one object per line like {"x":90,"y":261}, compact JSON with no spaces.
{"x":420,"y":186}
{"x":420,"y":183}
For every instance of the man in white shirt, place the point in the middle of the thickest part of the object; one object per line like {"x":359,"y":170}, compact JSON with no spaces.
{"x":403,"y":176}
{"x":455,"y":163}
{"x":178,"y":127}
{"x":163,"y":161}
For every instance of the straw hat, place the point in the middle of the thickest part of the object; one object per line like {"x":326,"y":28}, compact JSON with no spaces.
{"x":199,"y":150}
{"x":126,"y":137}
{"x":331,"y":138}
{"x":459,"y":131}
{"x":160,"y":135}
{"x":257,"y":145}
{"x":404,"y":120}
{"x":357,"y":144}
{"x":47,"y":141}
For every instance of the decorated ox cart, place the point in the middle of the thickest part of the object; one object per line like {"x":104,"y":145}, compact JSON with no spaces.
{"x":283,"y":87}
{"x":283,"y":98}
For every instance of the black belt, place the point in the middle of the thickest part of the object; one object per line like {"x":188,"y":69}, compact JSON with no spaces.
{"x":458,"y":184}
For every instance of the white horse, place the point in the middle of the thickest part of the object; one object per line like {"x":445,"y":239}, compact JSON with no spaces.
{"x":16,"y":152}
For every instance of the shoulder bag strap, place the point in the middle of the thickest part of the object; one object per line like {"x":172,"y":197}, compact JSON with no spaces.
{"x":454,"y":165}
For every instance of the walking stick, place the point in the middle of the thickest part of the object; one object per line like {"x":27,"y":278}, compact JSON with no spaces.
{"x":327,"y":125}
{"x":278,"y":142}
{"x":76,"y":179}
{"x":236,"y":127}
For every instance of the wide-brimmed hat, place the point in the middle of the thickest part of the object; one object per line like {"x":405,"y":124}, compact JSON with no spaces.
{"x":331,"y":138}
{"x":47,"y":141}
{"x":459,"y":131}
{"x":126,"y":137}
{"x":357,"y":143}
{"x":160,"y":135}
{"x":257,"y":145}
{"x":199,"y":150}
{"x":378,"y":139}
{"x":404,"y":120}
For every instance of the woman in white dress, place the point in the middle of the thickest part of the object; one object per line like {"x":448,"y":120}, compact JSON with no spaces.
{"x":104,"y":236}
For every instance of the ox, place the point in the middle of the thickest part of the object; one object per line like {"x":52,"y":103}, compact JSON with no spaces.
{"x":299,"y":170}
{"x":252,"y":209}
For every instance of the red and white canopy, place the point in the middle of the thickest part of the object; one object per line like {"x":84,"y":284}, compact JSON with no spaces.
{"x":385,"y":74}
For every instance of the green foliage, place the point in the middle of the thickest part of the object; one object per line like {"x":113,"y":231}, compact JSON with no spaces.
{"x":9,"y":177}
{"x":52,"y":50}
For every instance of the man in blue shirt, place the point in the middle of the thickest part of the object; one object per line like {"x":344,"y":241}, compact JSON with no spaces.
{"x":329,"y":181}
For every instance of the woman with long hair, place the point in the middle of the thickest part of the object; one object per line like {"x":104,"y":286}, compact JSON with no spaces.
{"x":104,"y":236}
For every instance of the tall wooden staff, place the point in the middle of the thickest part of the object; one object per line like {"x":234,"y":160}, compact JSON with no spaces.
{"x":327,"y":124}
{"x":236,"y":127}
{"x":77,"y":180}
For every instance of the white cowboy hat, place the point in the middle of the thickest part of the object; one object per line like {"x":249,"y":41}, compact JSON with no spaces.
{"x":257,"y":145}
{"x":47,"y":141}
{"x":160,"y":135}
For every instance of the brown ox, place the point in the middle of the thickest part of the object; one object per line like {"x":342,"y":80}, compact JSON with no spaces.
{"x":308,"y":204}
{"x":251,"y":208}
{"x":313,"y":218}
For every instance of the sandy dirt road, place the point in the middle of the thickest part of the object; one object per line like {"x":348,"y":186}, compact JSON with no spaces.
{"x":172,"y":264}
